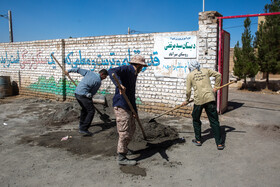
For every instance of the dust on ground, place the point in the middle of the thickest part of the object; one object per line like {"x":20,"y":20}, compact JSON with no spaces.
{"x":54,"y":115}
{"x":32,"y":153}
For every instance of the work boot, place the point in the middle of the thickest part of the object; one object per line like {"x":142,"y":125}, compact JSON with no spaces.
{"x":85,"y":133}
{"x":122,"y":160}
{"x":220,"y":147}
{"x":197,"y":143}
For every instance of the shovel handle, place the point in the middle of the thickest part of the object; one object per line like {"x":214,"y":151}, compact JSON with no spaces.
{"x":177,"y":107}
{"x":63,"y":69}
{"x":130,"y":106}
{"x":218,"y":88}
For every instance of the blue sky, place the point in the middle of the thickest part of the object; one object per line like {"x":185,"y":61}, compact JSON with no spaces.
{"x":56,"y":19}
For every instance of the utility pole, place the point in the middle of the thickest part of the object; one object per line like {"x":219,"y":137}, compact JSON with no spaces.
{"x":10,"y":26}
{"x":9,"y":18}
{"x":203,"y":5}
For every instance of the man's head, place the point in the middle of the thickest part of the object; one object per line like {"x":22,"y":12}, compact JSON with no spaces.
{"x":103,"y":74}
{"x":138,"y":62}
{"x":193,"y":65}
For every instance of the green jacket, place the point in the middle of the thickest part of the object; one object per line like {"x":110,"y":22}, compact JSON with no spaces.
{"x":200,"y":81}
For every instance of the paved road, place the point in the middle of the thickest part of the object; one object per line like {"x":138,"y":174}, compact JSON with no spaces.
{"x":254,"y":108}
{"x":251,"y":156}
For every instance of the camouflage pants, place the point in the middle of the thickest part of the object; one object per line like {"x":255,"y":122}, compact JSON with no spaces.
{"x":126,"y":128}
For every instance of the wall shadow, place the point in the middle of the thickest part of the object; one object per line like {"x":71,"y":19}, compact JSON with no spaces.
{"x":15,"y":88}
{"x":233,"y":106}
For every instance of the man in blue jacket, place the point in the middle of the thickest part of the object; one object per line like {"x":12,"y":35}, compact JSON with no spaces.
{"x":127,"y":76}
{"x":84,"y":92}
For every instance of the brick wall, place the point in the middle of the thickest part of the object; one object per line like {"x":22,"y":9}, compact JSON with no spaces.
{"x":160,"y":87}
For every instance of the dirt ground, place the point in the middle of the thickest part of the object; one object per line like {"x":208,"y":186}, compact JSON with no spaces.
{"x":32,"y":153}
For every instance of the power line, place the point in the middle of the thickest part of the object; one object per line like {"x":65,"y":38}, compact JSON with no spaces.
{"x":137,"y":32}
{"x":4,"y":16}
{"x":238,"y":26}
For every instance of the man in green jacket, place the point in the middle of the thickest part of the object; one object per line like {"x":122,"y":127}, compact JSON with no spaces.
{"x":199,"y":80}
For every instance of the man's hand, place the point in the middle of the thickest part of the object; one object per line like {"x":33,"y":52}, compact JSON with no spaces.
{"x":215,"y":90}
{"x":89,"y":95}
{"x":184,"y":103}
{"x":122,"y":90}
{"x":66,"y":72}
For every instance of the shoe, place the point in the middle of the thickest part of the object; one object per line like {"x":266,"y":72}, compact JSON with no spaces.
{"x":122,"y":160}
{"x":85,"y":133}
{"x":197,"y":143}
{"x":220,"y":147}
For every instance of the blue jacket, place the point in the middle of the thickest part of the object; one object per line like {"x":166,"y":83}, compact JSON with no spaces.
{"x":127,"y":77}
{"x":89,"y":84}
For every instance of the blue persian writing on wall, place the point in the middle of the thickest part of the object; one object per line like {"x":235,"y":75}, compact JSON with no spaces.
{"x":31,"y":60}
{"x":7,"y":60}
{"x":100,"y":61}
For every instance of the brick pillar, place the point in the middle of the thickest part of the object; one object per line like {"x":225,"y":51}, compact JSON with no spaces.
{"x":208,"y":39}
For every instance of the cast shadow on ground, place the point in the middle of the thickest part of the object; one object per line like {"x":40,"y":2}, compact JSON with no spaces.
{"x":224,"y":130}
{"x":104,"y":126}
{"x":261,"y":108}
{"x":256,"y":101}
{"x":154,"y":148}
{"x":233,"y":105}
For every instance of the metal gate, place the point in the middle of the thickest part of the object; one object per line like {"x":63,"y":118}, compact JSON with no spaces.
{"x":223,"y":58}
{"x":222,"y":102}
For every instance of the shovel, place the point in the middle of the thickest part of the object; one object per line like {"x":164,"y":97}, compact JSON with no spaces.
{"x":177,"y":107}
{"x":218,"y":88}
{"x":103,"y":117}
{"x":130,"y":106}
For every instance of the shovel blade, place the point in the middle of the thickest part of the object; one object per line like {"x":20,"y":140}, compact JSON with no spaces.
{"x":105,"y":118}
{"x":152,"y":120}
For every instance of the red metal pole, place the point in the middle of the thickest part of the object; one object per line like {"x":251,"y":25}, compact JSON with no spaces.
{"x":219,"y":61}
{"x":250,"y":15}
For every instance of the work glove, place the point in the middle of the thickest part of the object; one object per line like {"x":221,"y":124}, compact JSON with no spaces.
{"x":89,"y":95}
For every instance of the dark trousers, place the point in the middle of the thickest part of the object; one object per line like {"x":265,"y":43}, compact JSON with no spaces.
{"x":211,"y":111}
{"x":87,"y":112}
